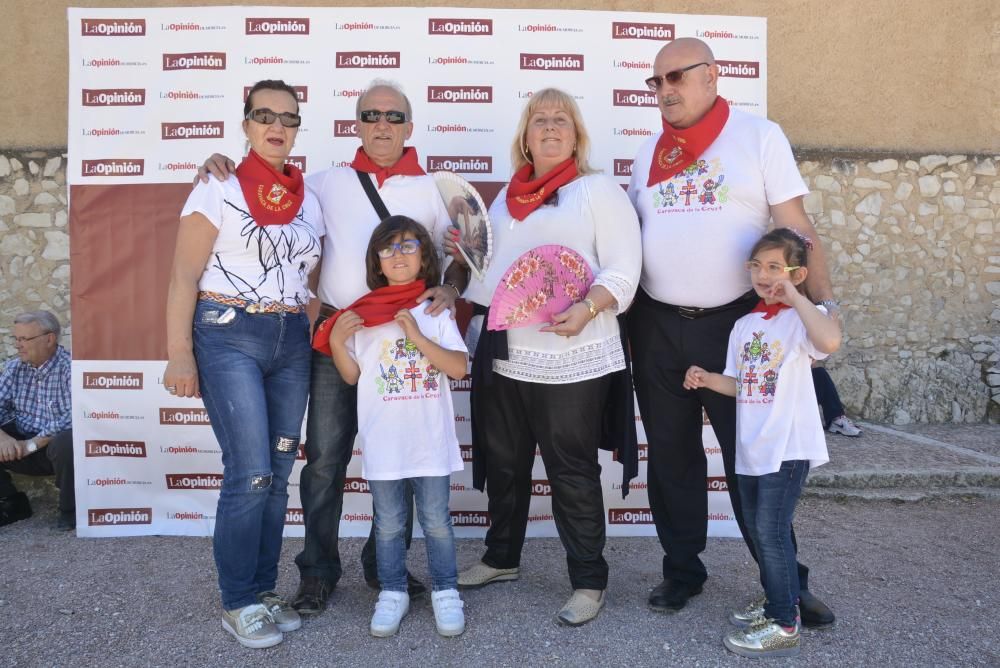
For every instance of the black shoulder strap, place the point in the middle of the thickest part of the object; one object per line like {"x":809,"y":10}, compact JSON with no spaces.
{"x":373,"y":196}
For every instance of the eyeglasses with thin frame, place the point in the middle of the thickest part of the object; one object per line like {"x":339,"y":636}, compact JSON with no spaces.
{"x":673,"y":77}
{"x":25,"y":339}
{"x":771,"y":268}
{"x":374,"y":116}
{"x":406,"y":247}
{"x":265,"y":116}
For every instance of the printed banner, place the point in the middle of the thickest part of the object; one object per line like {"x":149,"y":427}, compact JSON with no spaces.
{"x":153,"y":94}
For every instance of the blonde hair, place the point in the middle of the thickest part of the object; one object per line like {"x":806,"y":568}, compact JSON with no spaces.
{"x":551,"y":97}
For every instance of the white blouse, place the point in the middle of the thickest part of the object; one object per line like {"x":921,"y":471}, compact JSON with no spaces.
{"x":594,"y":217}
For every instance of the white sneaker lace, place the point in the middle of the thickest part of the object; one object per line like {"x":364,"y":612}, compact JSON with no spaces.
{"x":253,"y":618}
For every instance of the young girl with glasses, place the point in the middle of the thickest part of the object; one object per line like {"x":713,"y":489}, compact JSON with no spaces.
{"x":779,"y":434}
{"x":401,"y":358}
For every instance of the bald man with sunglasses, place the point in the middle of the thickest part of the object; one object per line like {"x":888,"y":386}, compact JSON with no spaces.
{"x":384,"y":123}
{"x":705,"y":188}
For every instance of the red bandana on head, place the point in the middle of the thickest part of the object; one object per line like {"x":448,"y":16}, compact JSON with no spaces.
{"x":677,"y":148}
{"x":273,"y":198}
{"x":524,"y":196}
{"x":407,"y":165}
{"x":769,"y":310}
{"x":376,"y":308}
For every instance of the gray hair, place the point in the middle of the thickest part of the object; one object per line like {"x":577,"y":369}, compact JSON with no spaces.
{"x":391,"y":85}
{"x":46,"y":320}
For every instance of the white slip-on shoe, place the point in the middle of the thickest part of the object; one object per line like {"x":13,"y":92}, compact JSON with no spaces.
{"x":480,"y":575}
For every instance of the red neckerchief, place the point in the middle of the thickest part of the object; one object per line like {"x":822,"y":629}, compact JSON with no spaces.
{"x":769,"y":310}
{"x":407,"y":165}
{"x":376,"y":308}
{"x":677,"y":148}
{"x":524,"y":196}
{"x":273,"y":198}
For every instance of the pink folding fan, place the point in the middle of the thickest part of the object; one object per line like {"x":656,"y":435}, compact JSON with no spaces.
{"x":544,"y":281}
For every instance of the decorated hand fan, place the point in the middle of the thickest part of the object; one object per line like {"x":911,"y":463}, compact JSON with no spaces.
{"x":467,"y":210}
{"x":544,"y":281}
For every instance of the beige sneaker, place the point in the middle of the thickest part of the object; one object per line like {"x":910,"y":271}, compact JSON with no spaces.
{"x":580,"y":608}
{"x":481,"y":575}
{"x":284,"y":616}
{"x":251,"y":626}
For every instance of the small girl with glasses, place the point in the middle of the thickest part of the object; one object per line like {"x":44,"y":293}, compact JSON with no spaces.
{"x":779,"y":435}
{"x":401,"y":358}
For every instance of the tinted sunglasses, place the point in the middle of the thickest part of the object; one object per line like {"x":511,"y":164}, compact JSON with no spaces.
{"x":673,"y":77}
{"x":374,"y":115}
{"x":265,"y":116}
{"x":406,"y":247}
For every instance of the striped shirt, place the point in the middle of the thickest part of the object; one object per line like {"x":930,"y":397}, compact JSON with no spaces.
{"x":37,"y":399}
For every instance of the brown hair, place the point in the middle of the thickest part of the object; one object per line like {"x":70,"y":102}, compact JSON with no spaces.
{"x":269,"y":84}
{"x":382,"y":236}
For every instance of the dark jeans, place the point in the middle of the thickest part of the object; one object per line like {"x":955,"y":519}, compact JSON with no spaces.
{"x":664,"y":345}
{"x":565,"y":421}
{"x":827,"y":396}
{"x":768,"y":507}
{"x":254,"y":377}
{"x":56,"y":459}
{"x":330,"y":430}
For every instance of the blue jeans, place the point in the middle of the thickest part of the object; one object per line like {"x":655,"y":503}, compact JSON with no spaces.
{"x":768,"y":507}
{"x":391,"y":503}
{"x":254,"y":376}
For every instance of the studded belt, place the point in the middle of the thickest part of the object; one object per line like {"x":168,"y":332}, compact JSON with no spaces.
{"x":250,"y":306}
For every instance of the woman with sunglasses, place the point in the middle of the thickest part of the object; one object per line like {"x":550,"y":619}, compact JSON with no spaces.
{"x":553,"y":383}
{"x":238,"y":336}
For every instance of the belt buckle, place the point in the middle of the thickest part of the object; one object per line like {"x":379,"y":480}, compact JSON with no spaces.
{"x":689,"y":313}
{"x":253,"y":308}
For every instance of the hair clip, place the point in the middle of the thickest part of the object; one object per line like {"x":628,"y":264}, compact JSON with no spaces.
{"x":806,"y":241}
{"x":791,"y":269}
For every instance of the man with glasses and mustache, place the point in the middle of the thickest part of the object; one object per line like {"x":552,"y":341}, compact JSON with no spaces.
{"x":36,"y":417}
{"x":384,"y":122}
{"x":705,"y":188}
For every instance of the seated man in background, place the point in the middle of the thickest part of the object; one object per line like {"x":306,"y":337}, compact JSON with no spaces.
{"x":35,"y":415}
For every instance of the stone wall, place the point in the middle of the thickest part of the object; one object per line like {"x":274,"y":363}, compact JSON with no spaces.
{"x":912,"y":248}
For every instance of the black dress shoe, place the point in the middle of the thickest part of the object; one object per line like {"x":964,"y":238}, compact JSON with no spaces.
{"x":14,"y":508}
{"x":814,"y":613}
{"x":312,"y":595}
{"x":672,"y":595}
{"x":414,"y":587}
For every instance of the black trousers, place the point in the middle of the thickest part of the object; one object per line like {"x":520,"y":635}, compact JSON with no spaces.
{"x":664,"y":345}
{"x":827,"y":396}
{"x":54,"y":459}
{"x":565,"y":421}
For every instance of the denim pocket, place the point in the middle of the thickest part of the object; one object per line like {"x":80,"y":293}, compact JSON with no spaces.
{"x":216,"y":316}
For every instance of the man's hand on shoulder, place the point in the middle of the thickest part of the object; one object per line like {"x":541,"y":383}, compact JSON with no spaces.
{"x":217,"y":165}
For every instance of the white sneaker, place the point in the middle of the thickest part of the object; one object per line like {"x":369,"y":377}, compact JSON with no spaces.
{"x":251,"y":626}
{"x":448,"y":613}
{"x":390,"y":609}
{"x":844,"y":425}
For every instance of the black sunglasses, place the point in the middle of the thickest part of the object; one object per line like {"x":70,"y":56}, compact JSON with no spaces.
{"x":673,"y":77}
{"x":265,"y":116}
{"x":374,"y":115}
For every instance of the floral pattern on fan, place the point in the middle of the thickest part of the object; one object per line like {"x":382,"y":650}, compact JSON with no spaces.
{"x":544,"y":281}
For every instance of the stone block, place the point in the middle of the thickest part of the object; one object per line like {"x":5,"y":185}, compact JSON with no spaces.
{"x":930,"y":185}
{"x":883,"y":166}
{"x":931,"y":162}
{"x":56,"y":246}
{"x":33,"y":220}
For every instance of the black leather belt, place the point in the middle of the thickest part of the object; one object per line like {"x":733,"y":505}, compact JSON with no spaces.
{"x":325,"y":310}
{"x":694,"y":312}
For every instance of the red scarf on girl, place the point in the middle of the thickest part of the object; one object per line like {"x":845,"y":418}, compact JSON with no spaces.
{"x":274,"y":198}
{"x":769,"y":310}
{"x":407,"y":165}
{"x":677,"y":148}
{"x":376,"y":308}
{"x":524,"y":196}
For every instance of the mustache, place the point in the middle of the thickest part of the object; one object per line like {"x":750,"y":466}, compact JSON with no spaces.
{"x":670,"y":99}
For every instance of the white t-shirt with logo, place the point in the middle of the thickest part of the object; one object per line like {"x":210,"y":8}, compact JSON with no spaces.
{"x":406,"y":421}
{"x":699,"y":226}
{"x":270,"y":263}
{"x":777,"y":417}
{"x":350,"y":219}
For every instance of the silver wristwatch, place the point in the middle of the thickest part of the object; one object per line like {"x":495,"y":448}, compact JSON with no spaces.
{"x":30,"y":446}
{"x":830,"y":304}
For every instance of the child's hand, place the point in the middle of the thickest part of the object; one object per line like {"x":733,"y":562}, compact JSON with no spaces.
{"x":694,"y":378}
{"x":406,"y":320}
{"x":347,"y":324}
{"x":783,"y":291}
